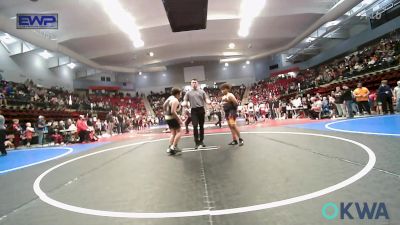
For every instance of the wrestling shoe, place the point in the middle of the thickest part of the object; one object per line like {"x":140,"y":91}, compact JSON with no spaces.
{"x":234,"y":142}
{"x":241,"y":142}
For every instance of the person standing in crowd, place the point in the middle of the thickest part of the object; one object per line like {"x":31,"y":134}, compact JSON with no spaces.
{"x":171,"y":107}
{"x":197,"y":99}
{"x":316,"y":108}
{"x":29,"y":133}
{"x":119,"y":121}
{"x":217,"y":111}
{"x":271,"y":112}
{"x":2,"y":136}
{"x":110,"y":123}
{"x":82,"y":129}
{"x":348,"y":101}
{"x":396,"y":94}
{"x":41,"y":125}
{"x":230,"y":104}
{"x":250,"y":110}
{"x":341,"y":109}
{"x":16,"y":131}
{"x":385,"y":96}
{"x":276,"y":109}
{"x":361,"y":94}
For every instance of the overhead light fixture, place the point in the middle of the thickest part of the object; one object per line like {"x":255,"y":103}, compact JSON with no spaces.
{"x":138,"y":43}
{"x":332,"y":23}
{"x":123,"y":20}
{"x":45,"y":54}
{"x":310,"y":39}
{"x":226,"y":64}
{"x":249,"y":9}
{"x":368,"y":2}
{"x":140,"y":72}
{"x":71,"y":65}
{"x":151,"y":54}
{"x":289,"y":57}
{"x":231,"y":45}
{"x":163,"y":75}
{"x":247,"y":62}
{"x":145,"y":77}
{"x":232,"y":59}
{"x":224,"y":68}
{"x":231,"y":53}
{"x":244,"y":67}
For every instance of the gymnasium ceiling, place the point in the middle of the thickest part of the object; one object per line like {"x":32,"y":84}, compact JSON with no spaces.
{"x":87,"y":32}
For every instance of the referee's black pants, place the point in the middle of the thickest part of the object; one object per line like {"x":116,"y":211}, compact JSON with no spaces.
{"x":198,"y":115}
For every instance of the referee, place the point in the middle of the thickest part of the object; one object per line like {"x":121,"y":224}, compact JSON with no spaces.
{"x":197,"y":99}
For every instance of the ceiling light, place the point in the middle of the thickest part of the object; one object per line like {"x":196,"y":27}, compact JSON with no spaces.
{"x":243,"y":66}
{"x":310,"y":39}
{"x":226,"y":64}
{"x":138,"y":43}
{"x":332,"y":23}
{"x":140,"y":73}
{"x":145,"y":77}
{"x":71,"y":65}
{"x":151,"y":54}
{"x":231,"y":45}
{"x":163,"y":75}
{"x":45,"y":54}
{"x":230,"y":59}
{"x":249,"y":9}
{"x":368,"y":2}
{"x":231,"y":53}
{"x":247,"y":62}
{"x":289,"y":57}
{"x":224,"y":68}
{"x":123,"y":20}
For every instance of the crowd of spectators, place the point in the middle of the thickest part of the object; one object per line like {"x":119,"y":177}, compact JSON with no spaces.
{"x":268,"y":96}
{"x":127,"y":113}
{"x":29,"y":95}
{"x":385,"y":53}
{"x":343,"y":102}
{"x":86,"y":128}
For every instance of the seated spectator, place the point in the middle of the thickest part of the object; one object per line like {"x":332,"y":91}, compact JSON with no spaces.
{"x":56,"y":136}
